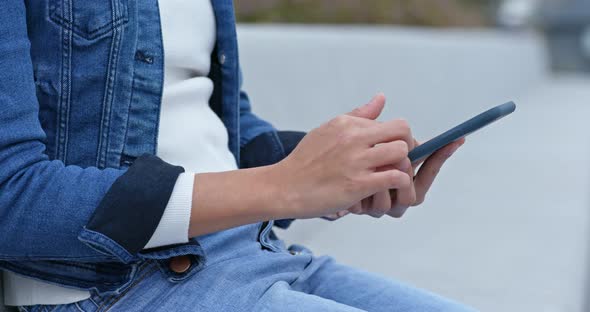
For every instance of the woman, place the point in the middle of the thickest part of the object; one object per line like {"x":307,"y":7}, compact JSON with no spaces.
{"x":122,"y":130}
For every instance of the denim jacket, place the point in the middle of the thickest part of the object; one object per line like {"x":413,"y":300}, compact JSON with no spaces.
{"x":81,"y":191}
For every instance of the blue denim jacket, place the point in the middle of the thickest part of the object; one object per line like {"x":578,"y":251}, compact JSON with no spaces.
{"x":80,"y":89}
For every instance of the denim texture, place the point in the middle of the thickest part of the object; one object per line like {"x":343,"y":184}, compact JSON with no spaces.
{"x":80,"y":93}
{"x":262,"y":275}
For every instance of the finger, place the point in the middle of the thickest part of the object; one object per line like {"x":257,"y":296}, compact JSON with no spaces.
{"x":405,"y":196}
{"x":389,"y":131}
{"x":430,"y":169}
{"x":395,"y":152}
{"x":371,"y":110}
{"x":402,"y":165}
{"x":380,"y":205}
{"x":397,"y":212}
{"x":366,"y":204}
{"x":336,"y":216}
{"x":385,"y":180}
{"x":332,"y":217}
{"x":357,"y":208}
{"x":342,"y":213}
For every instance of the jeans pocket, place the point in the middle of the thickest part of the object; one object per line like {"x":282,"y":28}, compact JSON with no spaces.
{"x":267,"y":238}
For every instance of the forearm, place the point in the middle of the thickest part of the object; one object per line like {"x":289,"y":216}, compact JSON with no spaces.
{"x":229,"y":199}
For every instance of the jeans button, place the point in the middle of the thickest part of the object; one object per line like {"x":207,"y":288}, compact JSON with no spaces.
{"x":180,"y":264}
{"x":294,"y":253}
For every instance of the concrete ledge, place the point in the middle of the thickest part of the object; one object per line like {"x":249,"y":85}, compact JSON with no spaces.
{"x":329,"y":70}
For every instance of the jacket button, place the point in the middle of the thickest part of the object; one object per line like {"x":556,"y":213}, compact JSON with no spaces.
{"x":180,"y":264}
{"x":222,"y":59}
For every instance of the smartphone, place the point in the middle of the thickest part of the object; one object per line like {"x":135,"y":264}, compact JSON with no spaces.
{"x":480,"y":121}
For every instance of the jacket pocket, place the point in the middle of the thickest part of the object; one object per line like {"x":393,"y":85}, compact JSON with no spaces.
{"x":89,"y":19}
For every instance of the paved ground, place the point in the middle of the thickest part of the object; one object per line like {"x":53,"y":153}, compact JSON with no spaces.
{"x":506,"y":226}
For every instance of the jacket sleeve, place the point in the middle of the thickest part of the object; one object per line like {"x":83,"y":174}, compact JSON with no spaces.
{"x":261,"y":144}
{"x":49,"y":211}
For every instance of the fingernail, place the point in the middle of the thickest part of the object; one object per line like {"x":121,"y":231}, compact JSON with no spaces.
{"x":342,"y":213}
{"x":377,"y":95}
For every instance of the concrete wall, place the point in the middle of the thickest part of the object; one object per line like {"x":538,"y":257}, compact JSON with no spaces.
{"x":505,"y":226}
{"x":301,"y":76}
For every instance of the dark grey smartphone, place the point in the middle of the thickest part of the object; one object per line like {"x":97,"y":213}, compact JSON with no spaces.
{"x":480,"y":121}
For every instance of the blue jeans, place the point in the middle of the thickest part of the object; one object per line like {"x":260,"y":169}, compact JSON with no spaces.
{"x":250,"y":270}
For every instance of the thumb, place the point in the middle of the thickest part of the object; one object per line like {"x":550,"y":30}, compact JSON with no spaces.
{"x":371,"y":110}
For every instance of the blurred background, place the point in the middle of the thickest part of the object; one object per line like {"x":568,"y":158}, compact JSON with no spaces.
{"x":506,"y":226}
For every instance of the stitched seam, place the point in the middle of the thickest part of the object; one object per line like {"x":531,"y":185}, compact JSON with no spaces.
{"x":108,"y":96}
{"x":78,"y":307}
{"x":120,"y":21}
{"x":131,"y":95}
{"x":118,"y":35}
{"x":161,"y":91}
{"x":56,"y":279}
{"x":59,"y":104}
{"x":116,"y":22}
{"x":104,"y":301}
{"x":83,"y":266}
{"x":99,"y":159}
{"x":66,"y":89}
{"x":69,"y":77}
{"x":132,"y":286}
{"x":94,"y":239}
{"x":94,"y":302}
{"x":125,"y":138}
{"x":52,"y":258}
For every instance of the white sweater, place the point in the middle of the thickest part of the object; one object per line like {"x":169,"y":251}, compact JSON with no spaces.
{"x":190,"y":135}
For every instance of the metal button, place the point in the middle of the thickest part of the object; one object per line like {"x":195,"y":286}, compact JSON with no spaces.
{"x":294,"y":253}
{"x":144,"y":57}
{"x":180,"y":264}
{"x":222,"y":58}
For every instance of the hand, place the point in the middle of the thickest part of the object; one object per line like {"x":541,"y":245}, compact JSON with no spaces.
{"x":424,"y":179}
{"x":396,"y":202}
{"x":335,"y":165}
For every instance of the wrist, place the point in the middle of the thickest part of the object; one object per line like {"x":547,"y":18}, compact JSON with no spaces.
{"x":271,"y":189}
{"x":227,"y":199}
{"x":285,"y":203}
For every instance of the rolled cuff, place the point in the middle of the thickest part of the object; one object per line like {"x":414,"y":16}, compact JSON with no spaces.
{"x":269,"y":148}
{"x":174,"y":225}
{"x":290,"y":140}
{"x":130,"y":212}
